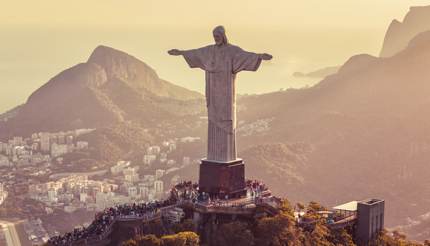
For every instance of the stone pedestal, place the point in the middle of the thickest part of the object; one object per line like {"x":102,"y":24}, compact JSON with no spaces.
{"x":222,"y":178}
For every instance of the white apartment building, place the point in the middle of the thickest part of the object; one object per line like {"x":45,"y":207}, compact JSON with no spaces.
{"x":153,"y":150}
{"x":59,"y":149}
{"x":158,"y":186}
{"x":45,"y":142}
{"x":149,"y":159}
{"x":159,"y":173}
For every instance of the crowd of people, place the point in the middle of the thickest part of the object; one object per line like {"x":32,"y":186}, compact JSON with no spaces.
{"x":188,"y":191}
{"x":104,"y":220}
{"x":255,"y":188}
{"x":185,"y":191}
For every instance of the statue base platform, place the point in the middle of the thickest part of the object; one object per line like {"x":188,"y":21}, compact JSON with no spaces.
{"x":222,"y":179}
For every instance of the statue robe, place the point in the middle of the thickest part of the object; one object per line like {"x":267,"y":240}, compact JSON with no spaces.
{"x":221,"y":64}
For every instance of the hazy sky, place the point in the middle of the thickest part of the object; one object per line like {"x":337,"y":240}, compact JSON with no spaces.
{"x":38,"y":39}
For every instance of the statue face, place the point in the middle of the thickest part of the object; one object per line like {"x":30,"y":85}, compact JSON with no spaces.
{"x":218,"y":39}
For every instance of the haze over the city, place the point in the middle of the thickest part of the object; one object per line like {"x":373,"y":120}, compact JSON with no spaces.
{"x":39,"y":39}
{"x":104,"y":125}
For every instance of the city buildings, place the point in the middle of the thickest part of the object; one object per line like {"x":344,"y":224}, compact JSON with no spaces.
{"x":40,"y":147}
{"x":119,"y":167}
{"x":34,"y":167}
{"x":3,"y":193}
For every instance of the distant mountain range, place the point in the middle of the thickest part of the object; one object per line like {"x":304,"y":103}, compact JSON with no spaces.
{"x":320,"y":73}
{"x":365,"y":130}
{"x":399,"y":34}
{"x":110,"y":88}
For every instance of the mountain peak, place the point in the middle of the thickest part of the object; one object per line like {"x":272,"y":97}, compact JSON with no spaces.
{"x":123,"y":68}
{"x":418,"y":9}
{"x":112,"y":86}
{"x":394,"y":24}
{"x":120,"y":65}
{"x":399,"y":34}
{"x":358,"y":62}
{"x":103,"y":52}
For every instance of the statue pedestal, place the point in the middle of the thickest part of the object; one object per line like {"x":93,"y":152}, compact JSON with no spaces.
{"x":222,"y":179}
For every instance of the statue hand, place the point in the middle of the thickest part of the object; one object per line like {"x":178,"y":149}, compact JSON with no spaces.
{"x":266,"y":57}
{"x":175,"y":52}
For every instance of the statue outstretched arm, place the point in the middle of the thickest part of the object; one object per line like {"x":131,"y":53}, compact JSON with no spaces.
{"x":195,"y":58}
{"x":175,"y":52}
{"x":247,"y":61}
{"x":265,"y":56}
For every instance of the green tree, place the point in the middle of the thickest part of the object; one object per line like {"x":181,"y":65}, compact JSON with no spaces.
{"x":276,"y":231}
{"x":234,"y":233}
{"x":300,"y":206}
{"x":314,"y":207}
{"x":181,"y":239}
{"x":148,"y":240}
{"x":172,"y":240}
{"x":286,"y":208}
{"x":319,"y":236}
{"x":341,"y":237}
{"x":191,"y":238}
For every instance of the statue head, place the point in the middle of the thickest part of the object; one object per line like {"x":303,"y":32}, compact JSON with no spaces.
{"x":219,"y":36}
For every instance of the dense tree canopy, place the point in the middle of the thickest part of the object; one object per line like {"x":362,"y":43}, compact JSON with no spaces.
{"x":235,"y":233}
{"x":279,"y":230}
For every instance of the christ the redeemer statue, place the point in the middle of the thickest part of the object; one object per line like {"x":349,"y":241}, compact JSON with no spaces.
{"x":221,"y":62}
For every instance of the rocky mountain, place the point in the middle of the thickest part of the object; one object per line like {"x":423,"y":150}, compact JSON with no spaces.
{"x":110,"y":88}
{"x":278,"y":164}
{"x":399,"y":34}
{"x":366,"y":128}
